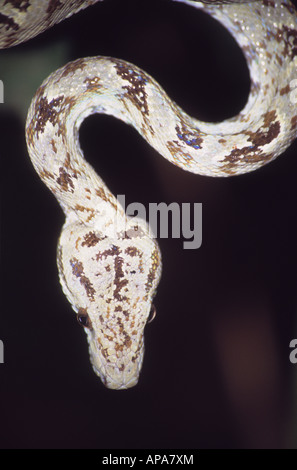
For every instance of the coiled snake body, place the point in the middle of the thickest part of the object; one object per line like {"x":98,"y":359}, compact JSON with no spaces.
{"x":109,"y":265}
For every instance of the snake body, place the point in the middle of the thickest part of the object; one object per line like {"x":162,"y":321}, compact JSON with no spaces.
{"x":109,"y":266}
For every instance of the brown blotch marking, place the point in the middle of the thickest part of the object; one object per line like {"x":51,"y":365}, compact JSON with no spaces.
{"x":102,"y":194}
{"x":174,"y":147}
{"x":66,"y":106}
{"x":222,"y":141}
{"x":244,"y":155}
{"x":121,"y":325}
{"x":90,"y":239}
{"x":73,"y":66}
{"x":118,"y":282}
{"x":89,"y":192}
{"x":133,"y":251}
{"x":293,"y":122}
{"x":68,"y":166}
{"x":268,"y":55}
{"x":269,"y":117}
{"x":45,"y":112}
{"x":21,"y":5}
{"x":192,"y":138}
{"x":289,"y":37}
{"x":67,"y":161}
{"x":114,"y":251}
{"x":135,"y":92}
{"x":78,"y":271}
{"x":119,"y":347}
{"x":53,"y":146}
{"x":177,"y":152}
{"x":119,"y":308}
{"x":9,"y":23}
{"x":127,"y":341}
{"x":80,"y":208}
{"x":92,"y":83}
{"x":65,"y":180}
{"x":259,"y":138}
{"x":285,"y":90}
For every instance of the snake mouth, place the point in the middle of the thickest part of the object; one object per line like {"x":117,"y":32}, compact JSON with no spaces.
{"x":116,"y":373}
{"x":114,"y":378}
{"x":121,"y":383}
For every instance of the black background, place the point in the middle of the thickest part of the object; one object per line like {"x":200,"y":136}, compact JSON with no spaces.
{"x":216,"y":371}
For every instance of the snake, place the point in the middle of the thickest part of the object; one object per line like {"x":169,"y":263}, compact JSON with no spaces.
{"x":109,"y":264}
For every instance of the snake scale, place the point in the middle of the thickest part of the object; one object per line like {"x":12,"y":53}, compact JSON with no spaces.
{"x":109,"y":265}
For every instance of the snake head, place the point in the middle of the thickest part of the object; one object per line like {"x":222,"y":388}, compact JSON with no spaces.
{"x":110,"y":283}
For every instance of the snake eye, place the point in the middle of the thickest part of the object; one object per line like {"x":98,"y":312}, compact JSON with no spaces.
{"x":153,"y":313}
{"x":83,"y":318}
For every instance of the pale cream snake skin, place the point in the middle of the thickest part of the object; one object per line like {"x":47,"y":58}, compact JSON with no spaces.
{"x":109,"y":264}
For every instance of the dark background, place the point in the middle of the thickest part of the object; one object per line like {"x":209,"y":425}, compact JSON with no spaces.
{"x":216,"y":371}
